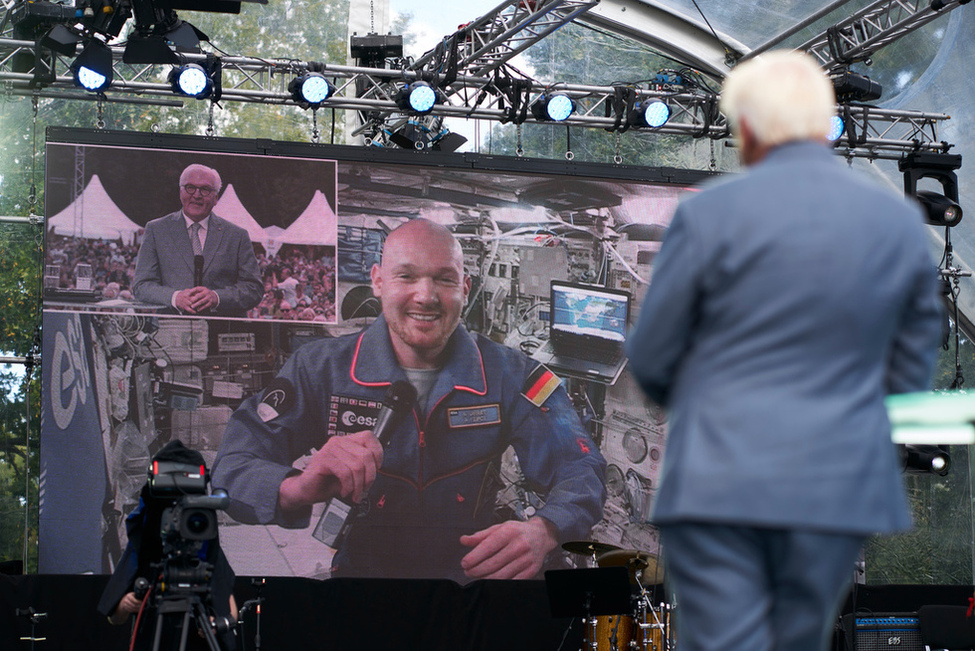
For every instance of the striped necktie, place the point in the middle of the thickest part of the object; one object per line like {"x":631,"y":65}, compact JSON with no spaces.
{"x":195,"y":239}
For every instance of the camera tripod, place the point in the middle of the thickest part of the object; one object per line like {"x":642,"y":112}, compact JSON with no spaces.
{"x":191,"y":611}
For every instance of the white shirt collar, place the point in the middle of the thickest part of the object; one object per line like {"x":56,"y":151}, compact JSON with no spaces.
{"x":204,"y":223}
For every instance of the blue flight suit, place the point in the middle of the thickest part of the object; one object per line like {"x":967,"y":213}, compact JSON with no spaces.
{"x":438,"y":480}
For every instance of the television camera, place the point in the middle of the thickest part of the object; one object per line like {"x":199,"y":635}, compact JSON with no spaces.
{"x":182,"y":590}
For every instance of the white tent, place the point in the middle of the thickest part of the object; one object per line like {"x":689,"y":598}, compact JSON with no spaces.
{"x":230,"y":208}
{"x":317,"y":225}
{"x":93,"y":215}
{"x":273,"y":240}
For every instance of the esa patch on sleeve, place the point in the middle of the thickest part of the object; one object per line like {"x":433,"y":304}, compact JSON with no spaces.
{"x":540,"y":385}
{"x":278,"y":398}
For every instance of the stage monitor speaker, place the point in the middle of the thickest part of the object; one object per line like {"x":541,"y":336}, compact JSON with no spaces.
{"x":882,"y":632}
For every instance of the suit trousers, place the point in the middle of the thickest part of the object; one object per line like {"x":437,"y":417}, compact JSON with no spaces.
{"x":741,"y":588}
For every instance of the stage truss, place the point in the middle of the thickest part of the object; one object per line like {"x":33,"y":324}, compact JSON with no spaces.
{"x":470,"y":67}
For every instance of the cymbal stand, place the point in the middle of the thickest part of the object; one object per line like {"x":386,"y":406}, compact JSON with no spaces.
{"x":644,"y":605}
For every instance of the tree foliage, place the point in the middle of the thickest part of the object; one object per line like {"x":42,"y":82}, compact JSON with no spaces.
{"x":938,"y":549}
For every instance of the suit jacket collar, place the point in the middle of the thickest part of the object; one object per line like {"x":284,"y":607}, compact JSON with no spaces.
{"x":799,"y":150}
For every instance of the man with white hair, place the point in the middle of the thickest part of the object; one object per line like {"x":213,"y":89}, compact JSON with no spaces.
{"x":195,"y":261}
{"x":786,"y":303}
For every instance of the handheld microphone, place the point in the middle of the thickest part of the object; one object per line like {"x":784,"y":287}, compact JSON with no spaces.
{"x":398,"y":401}
{"x":197,"y":270}
{"x":335,"y":523}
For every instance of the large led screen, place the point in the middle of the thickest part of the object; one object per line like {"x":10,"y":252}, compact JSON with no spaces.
{"x":276,"y":344}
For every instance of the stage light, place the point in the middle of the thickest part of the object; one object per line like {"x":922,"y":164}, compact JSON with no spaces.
{"x":191,"y":80}
{"x":200,"y":81}
{"x":650,"y":113}
{"x":418,"y":97}
{"x":939,"y":209}
{"x":836,"y":128}
{"x":423,"y":134}
{"x":62,"y":40}
{"x":556,"y":107}
{"x":853,"y":87}
{"x":92,"y":70}
{"x":926,"y":459}
{"x":311,"y":89}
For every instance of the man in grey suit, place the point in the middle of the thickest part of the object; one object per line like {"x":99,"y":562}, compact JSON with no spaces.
{"x":194,"y":261}
{"x":785,"y":304}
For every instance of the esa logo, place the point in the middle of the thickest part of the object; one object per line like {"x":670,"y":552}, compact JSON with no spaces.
{"x":350,"y":418}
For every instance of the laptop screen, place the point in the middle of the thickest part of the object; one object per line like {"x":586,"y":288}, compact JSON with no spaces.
{"x":588,"y":311}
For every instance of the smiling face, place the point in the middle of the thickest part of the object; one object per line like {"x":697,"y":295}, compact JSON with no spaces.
{"x":195,"y":182}
{"x":423,"y":288}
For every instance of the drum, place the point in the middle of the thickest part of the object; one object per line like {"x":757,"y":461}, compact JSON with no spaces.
{"x":618,"y":633}
{"x":642,"y":631}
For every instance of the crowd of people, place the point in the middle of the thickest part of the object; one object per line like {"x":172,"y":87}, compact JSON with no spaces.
{"x":299,"y":284}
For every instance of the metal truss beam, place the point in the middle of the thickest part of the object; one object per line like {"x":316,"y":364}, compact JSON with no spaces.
{"x":492,"y":40}
{"x":876,"y":132}
{"x":856,"y":38}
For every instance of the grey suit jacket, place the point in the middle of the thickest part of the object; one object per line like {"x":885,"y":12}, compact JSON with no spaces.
{"x":785,"y":304}
{"x":165,"y":264}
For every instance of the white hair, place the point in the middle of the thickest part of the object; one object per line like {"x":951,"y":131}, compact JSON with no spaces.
{"x":783,"y":96}
{"x":196,"y":167}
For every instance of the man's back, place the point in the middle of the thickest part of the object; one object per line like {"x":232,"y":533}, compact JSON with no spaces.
{"x":800,"y":274}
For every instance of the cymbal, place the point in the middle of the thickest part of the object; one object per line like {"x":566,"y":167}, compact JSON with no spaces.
{"x":647,"y":565}
{"x":588,"y":547}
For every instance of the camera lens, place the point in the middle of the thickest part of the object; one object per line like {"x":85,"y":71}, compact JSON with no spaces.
{"x":197,"y":523}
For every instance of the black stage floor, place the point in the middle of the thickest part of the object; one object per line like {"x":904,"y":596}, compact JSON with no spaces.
{"x":364,"y":614}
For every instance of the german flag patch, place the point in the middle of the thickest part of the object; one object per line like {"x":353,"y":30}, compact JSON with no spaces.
{"x":540,"y":385}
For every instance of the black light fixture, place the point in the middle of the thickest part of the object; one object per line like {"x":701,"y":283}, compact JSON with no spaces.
{"x":163,"y":42}
{"x":650,"y":113}
{"x":62,"y":40}
{"x":553,"y":107}
{"x":311,"y":89}
{"x":418,"y":97}
{"x":926,"y":459}
{"x":197,"y":80}
{"x":940,"y":209}
{"x":92,"y":69}
{"x":426,"y":133}
{"x":850,"y":86}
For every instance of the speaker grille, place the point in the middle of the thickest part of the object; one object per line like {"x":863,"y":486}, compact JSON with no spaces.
{"x":883,"y":632}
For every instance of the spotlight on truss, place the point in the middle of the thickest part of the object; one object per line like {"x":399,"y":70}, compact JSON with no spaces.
{"x":92,"y":69}
{"x":651,"y":113}
{"x":836,"y":128}
{"x":941,"y":209}
{"x":311,"y":89}
{"x":200,"y":81}
{"x":418,"y":97}
{"x":554,"y":107}
{"x":851,"y":87}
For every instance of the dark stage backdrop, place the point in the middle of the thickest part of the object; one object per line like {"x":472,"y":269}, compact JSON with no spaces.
{"x":395,"y":615}
{"x":123,"y":377}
